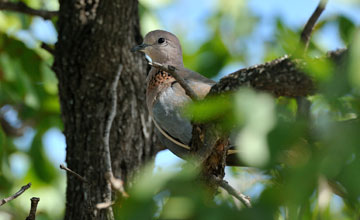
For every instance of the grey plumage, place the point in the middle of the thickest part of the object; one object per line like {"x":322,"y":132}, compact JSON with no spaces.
{"x":165,"y":97}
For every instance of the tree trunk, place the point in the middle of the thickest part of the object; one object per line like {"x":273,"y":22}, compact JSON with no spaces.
{"x":94,"y":38}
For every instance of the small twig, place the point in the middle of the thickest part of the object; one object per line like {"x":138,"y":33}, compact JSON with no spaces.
{"x":18,"y":193}
{"x":48,"y":48}
{"x":34,"y":204}
{"x":106,"y":137}
{"x":303,"y":110}
{"x":173,"y":71}
{"x":226,"y":186}
{"x":110,"y":119}
{"x":109,"y":122}
{"x":23,"y":8}
{"x":306,"y":33}
{"x":73,"y":173}
{"x":116,"y":184}
{"x":104,"y":205}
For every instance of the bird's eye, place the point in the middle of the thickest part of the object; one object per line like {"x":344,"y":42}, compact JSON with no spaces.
{"x":161,"y":40}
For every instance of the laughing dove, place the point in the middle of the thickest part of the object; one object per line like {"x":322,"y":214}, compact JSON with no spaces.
{"x":165,"y":97}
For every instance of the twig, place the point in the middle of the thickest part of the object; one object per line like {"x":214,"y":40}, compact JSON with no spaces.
{"x":116,"y":184}
{"x":48,"y":48}
{"x":173,"y":71}
{"x":23,"y":8}
{"x":303,"y":110}
{"x":226,"y":186}
{"x":106,"y":137}
{"x":108,"y":123}
{"x":34,"y":204}
{"x":73,"y":173}
{"x":18,"y":193}
{"x":104,"y":205}
{"x":306,"y":33}
{"x":110,"y":119}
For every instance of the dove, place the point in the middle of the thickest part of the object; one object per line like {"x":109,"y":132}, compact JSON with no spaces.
{"x":165,"y":97}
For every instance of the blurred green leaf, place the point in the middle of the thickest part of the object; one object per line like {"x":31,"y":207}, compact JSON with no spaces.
{"x":42,"y":166}
{"x":354,"y":75}
{"x":346,"y":28}
{"x":320,"y":69}
{"x":286,"y":37}
{"x":210,"y":58}
{"x":211,"y":109}
{"x":258,"y":112}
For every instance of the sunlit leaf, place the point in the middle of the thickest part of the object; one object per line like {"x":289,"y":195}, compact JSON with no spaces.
{"x":258,"y":112}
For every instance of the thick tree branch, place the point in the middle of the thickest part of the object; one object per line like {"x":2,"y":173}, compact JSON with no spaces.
{"x":23,"y":8}
{"x":18,"y":193}
{"x":281,"y":77}
{"x":34,"y":204}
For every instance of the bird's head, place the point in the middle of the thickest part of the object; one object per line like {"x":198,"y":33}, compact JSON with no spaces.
{"x":162,"y":47}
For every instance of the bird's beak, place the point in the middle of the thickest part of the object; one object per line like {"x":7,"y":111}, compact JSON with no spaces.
{"x":140,"y":47}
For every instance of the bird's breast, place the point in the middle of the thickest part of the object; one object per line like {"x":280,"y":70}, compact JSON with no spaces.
{"x":159,"y":78}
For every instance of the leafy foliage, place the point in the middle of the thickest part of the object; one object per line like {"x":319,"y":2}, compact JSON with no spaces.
{"x":303,"y":161}
{"x":29,"y":104}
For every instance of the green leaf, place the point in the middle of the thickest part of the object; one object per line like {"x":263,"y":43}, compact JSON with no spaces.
{"x":209,"y":109}
{"x":346,"y":28}
{"x":354,"y":75}
{"x":42,"y":166}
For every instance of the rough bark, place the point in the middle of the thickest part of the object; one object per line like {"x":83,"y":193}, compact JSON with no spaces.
{"x":282,"y":77}
{"x":94,"y":38}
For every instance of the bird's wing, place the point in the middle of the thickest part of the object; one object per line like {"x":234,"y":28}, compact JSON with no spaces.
{"x":168,"y":106}
{"x":175,"y":129}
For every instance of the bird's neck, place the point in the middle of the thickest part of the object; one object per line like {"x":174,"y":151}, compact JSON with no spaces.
{"x":173,"y":63}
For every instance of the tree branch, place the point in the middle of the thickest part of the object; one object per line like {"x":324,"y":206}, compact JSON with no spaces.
{"x":23,"y":8}
{"x":303,"y":109}
{"x":306,"y":33}
{"x":18,"y":193}
{"x":73,"y":173}
{"x":106,"y":137}
{"x":226,"y":186}
{"x":281,"y":77}
{"x":172,"y":70}
{"x":34,"y":204}
{"x":48,"y":48}
{"x":110,"y":119}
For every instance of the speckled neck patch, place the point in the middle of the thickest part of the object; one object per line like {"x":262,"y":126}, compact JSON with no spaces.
{"x":159,"y":78}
